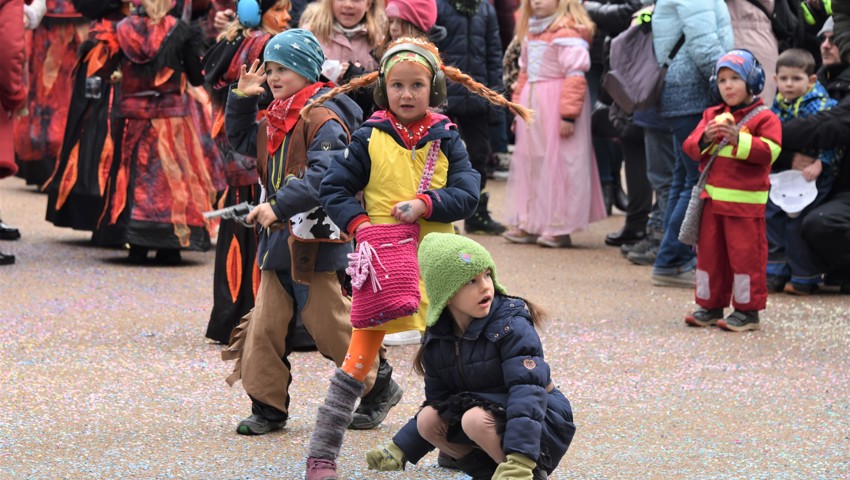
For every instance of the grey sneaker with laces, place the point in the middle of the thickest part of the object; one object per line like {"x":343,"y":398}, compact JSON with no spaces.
{"x":258,"y":425}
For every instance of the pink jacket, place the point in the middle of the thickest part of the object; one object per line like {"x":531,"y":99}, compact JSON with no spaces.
{"x":753,"y":31}
{"x":354,"y":49}
{"x":13,"y":90}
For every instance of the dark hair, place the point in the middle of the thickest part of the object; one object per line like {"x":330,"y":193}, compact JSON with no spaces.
{"x":538,"y":318}
{"x":796,"y":58}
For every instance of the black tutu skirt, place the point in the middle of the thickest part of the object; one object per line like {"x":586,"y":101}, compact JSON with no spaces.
{"x":451,"y":410}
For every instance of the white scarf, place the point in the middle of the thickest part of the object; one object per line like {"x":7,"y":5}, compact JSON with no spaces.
{"x":353,"y":31}
{"x":539,"y":25}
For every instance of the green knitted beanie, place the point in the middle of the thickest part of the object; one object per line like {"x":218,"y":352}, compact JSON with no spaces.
{"x":447,"y":262}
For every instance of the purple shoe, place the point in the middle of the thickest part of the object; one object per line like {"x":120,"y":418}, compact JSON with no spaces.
{"x":320,"y":469}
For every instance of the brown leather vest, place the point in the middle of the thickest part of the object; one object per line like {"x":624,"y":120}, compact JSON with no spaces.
{"x":299,"y":141}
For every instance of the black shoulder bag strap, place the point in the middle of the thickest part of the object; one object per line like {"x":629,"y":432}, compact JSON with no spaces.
{"x":675,"y":50}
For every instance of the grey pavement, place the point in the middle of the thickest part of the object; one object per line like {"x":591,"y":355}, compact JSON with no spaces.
{"x":104,"y":371}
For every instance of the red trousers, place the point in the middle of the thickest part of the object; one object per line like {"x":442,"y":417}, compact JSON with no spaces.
{"x":731,"y":261}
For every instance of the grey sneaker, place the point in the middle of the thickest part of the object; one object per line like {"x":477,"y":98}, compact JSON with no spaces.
{"x":704,"y":318}
{"x":683,"y":279}
{"x":641,"y":246}
{"x":646,"y":257}
{"x":740,"y":321}
{"x":258,"y":425}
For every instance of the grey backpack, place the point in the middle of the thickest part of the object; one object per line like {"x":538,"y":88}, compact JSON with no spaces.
{"x":635,"y":80}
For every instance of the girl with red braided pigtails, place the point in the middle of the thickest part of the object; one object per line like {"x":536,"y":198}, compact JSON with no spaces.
{"x":375,"y":181}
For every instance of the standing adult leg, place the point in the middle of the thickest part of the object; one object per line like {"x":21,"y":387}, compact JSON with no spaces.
{"x":827,"y":230}
{"x":674,"y":265}
{"x":476,"y":135}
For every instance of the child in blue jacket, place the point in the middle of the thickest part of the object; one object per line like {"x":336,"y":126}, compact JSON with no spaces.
{"x":490,"y":401}
{"x":791,"y":263}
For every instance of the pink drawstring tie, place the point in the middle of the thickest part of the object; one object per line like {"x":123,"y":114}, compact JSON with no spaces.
{"x":361,"y":266}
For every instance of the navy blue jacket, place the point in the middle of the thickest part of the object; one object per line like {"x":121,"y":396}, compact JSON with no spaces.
{"x":299,"y":195}
{"x":349,"y":174}
{"x":500,"y":359}
{"x":473,"y":46}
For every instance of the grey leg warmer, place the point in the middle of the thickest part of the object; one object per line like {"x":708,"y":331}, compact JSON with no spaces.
{"x":334,"y":416}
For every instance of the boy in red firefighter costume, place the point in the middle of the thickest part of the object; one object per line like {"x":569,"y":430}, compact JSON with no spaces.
{"x":732,"y":245}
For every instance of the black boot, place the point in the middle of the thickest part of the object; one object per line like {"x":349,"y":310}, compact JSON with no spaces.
{"x":373,"y":408}
{"x":138,"y":255}
{"x":480,"y":222}
{"x":477,"y":465}
{"x":168,"y":256}
{"x":8,"y":232}
{"x":6,"y":258}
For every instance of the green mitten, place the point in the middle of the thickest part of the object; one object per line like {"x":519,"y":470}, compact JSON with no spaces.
{"x":516,"y":467}
{"x":387,"y":458}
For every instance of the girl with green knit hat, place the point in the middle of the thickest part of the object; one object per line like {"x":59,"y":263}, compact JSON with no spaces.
{"x":490,"y":401}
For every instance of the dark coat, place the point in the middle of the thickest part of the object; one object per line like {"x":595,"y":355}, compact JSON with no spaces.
{"x":827,"y":129}
{"x":299,"y":196}
{"x":500,"y":359}
{"x":349,"y":174}
{"x":473,"y":46}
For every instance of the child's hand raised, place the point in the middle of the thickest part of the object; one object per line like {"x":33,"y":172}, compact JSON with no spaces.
{"x":409,"y":211}
{"x":251,"y":79}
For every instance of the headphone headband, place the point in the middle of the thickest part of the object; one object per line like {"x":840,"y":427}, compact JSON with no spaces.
{"x":410,"y":47}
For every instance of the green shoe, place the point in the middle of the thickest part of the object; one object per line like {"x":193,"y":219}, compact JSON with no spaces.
{"x":258,"y":425}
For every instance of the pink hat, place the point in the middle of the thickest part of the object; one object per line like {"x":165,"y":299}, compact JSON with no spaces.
{"x":421,"y":13}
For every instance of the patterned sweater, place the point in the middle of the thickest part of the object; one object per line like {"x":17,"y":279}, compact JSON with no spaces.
{"x":816,"y":100}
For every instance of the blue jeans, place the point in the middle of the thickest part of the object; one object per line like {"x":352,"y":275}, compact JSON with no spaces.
{"x":673,"y":255}
{"x":660,"y":160}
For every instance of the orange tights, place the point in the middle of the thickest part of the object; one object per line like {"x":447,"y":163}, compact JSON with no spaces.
{"x":362,"y":351}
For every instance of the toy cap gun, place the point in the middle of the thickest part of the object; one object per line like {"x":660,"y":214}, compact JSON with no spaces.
{"x":237,"y":213}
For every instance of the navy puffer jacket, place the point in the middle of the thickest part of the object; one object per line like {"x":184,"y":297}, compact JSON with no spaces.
{"x":473,"y":46}
{"x":500,"y":359}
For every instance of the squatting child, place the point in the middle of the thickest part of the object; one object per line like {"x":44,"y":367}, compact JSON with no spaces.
{"x":490,"y":401}
{"x":791,"y":264}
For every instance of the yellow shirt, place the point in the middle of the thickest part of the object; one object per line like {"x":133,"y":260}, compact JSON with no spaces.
{"x":394,"y":178}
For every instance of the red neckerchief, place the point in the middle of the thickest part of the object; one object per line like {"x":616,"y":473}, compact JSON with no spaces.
{"x":283,"y":114}
{"x":411,"y":134}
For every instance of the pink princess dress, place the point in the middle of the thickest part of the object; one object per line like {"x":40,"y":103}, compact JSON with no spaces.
{"x":553,"y":187}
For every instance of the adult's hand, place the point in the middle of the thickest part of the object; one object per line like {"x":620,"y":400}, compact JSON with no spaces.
{"x":223,"y":18}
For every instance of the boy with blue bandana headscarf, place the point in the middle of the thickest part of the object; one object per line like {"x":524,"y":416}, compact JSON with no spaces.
{"x":296,"y":276}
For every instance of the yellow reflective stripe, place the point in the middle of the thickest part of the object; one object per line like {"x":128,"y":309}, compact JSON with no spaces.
{"x":774,"y":148}
{"x":737,"y":196}
{"x":745,"y":144}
